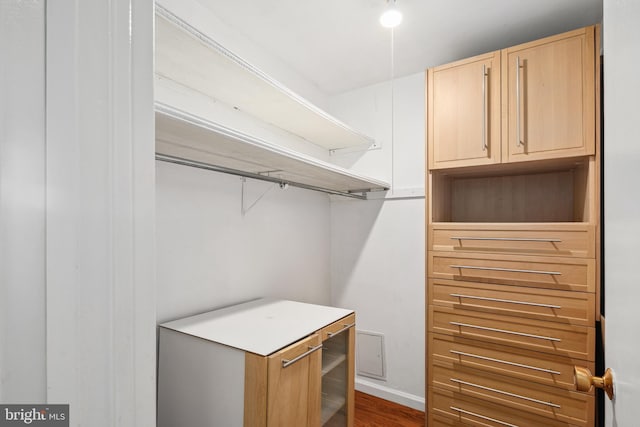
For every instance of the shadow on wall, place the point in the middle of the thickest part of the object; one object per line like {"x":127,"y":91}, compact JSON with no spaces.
{"x":210,"y":254}
{"x":352,"y":223}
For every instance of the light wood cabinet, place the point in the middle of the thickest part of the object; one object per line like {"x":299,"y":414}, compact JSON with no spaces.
{"x":560,"y":239}
{"x":450,"y":408}
{"x":571,"y":407}
{"x":549,"y":97}
{"x":264,"y":363}
{"x":575,"y":308}
{"x":546,"y":337}
{"x":547,"y":369}
{"x":293,"y":388}
{"x":513,"y":238}
{"x":533,"y":101}
{"x":577,"y":274}
{"x":464,"y":112}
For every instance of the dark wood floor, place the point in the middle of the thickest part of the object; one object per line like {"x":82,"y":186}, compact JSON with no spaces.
{"x":372,"y":411}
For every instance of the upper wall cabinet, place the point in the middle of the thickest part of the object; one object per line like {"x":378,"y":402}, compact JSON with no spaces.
{"x":546,"y":89}
{"x":464,"y":112}
{"x":549,"y":97}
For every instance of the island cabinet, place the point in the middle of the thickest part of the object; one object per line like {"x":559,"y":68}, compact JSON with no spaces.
{"x":262,"y":363}
{"x":513,"y":262}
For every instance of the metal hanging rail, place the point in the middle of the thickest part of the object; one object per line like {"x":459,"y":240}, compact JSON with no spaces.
{"x":282,"y":182}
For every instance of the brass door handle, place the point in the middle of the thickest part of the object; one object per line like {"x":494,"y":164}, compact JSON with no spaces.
{"x":584,"y":380}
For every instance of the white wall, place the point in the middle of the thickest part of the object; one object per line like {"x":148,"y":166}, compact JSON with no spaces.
{"x":400,"y":159}
{"x":22,"y":202}
{"x":377,"y":246}
{"x":210,"y":255}
{"x":621,"y":34}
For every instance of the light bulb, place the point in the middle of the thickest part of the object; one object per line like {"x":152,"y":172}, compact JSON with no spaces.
{"x":391,"y":17}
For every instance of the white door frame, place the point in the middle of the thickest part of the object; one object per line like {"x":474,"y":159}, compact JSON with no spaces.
{"x":100,"y":205}
{"x":621,"y":35}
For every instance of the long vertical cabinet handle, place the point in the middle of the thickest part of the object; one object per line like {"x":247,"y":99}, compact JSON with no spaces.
{"x":519,"y":143}
{"x":484,"y":107}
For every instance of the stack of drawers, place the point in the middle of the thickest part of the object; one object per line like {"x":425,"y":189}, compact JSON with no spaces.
{"x":511,"y":310}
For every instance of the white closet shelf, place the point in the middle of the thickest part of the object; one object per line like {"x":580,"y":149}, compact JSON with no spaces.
{"x":194,"y":141}
{"x":212,"y":108}
{"x":190,"y":57}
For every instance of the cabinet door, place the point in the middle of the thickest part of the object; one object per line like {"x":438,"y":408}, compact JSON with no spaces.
{"x":294,"y":384}
{"x":463,"y":112}
{"x":338,"y":373}
{"x":549,"y":97}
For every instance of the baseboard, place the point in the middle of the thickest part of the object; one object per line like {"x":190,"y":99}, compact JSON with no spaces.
{"x":387,"y":393}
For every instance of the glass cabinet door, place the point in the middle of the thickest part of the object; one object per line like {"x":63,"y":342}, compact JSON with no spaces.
{"x":338,"y":373}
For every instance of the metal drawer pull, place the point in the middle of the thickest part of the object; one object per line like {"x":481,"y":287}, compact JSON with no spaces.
{"x":286,"y":363}
{"x":522,"y":334}
{"x":473,"y":414}
{"x":510,"y":270}
{"x":509,"y":239}
{"x":332,"y":334}
{"x":534,"y":304}
{"x":490,"y":359}
{"x":506,"y":393}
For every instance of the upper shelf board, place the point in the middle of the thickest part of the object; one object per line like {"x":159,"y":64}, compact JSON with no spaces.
{"x":186,"y":136}
{"x":190,"y":57}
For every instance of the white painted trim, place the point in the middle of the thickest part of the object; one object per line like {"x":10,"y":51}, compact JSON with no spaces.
{"x":388,"y":393}
{"x":100,"y":187}
{"x":22,"y":202}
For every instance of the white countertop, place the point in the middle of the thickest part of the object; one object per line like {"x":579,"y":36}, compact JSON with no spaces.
{"x":262,"y":326}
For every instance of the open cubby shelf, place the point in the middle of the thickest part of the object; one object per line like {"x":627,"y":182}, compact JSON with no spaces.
{"x":550,"y":194}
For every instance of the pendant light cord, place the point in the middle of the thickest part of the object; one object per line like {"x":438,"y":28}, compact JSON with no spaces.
{"x":392,"y":110}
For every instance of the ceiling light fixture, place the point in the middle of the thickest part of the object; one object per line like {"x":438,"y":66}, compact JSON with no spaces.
{"x":391,"y":17}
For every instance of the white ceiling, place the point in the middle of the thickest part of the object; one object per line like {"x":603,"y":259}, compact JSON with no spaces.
{"x":338,"y":45}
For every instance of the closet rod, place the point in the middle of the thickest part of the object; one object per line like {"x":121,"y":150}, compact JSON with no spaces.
{"x":222,"y":169}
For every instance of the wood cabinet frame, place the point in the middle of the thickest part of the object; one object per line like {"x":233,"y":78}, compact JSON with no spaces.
{"x":494,"y":215}
{"x":554,"y":114}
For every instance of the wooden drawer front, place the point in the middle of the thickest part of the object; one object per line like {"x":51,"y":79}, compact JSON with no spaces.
{"x":338,"y":327}
{"x":571,"y":274}
{"x":542,"y":368}
{"x":552,"y":402}
{"x":575,"y":308}
{"x":532,"y":239}
{"x":449,"y":408}
{"x":548,"y":337}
